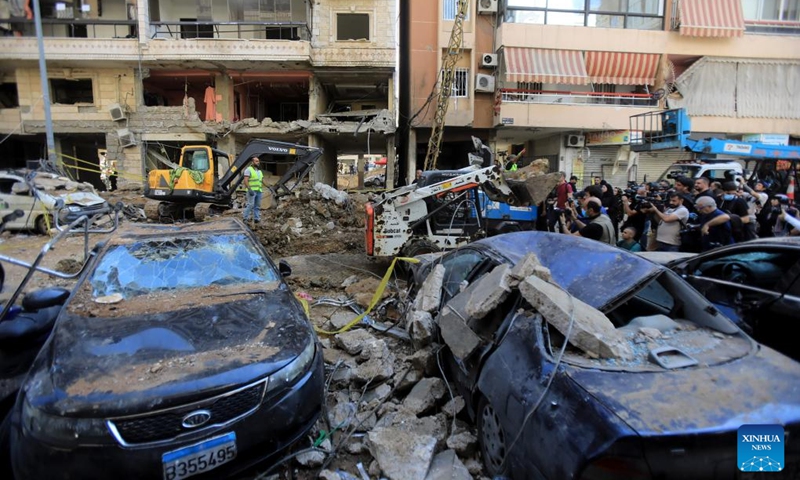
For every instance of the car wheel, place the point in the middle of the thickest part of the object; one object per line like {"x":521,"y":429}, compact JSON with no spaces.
{"x":492,"y":439}
{"x":42,"y":224}
{"x":416,"y":247}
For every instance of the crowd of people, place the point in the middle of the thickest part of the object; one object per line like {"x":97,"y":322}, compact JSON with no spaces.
{"x":691,"y":215}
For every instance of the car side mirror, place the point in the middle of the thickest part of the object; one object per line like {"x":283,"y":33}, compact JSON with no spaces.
{"x":284,"y":268}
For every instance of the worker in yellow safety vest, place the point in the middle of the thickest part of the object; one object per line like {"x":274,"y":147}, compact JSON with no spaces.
{"x":253,"y":183}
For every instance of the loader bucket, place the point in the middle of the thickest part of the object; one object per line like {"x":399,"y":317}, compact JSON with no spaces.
{"x":531,"y":187}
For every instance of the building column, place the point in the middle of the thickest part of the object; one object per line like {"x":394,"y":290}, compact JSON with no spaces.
{"x":360,"y":163}
{"x":411,"y":161}
{"x":223,"y":88}
{"x":325,"y":169}
{"x":141,"y":10}
{"x":391,"y":162}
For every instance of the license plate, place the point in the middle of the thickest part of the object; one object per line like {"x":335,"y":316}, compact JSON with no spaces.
{"x":199,"y":458}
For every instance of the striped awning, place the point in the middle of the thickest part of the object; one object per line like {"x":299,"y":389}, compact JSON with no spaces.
{"x":622,"y":68}
{"x":546,"y":66}
{"x":711,"y":18}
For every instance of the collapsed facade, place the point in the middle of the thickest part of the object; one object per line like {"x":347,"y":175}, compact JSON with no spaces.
{"x":131,"y":81}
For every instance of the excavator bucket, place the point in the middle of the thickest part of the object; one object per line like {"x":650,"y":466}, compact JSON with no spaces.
{"x":531,"y":184}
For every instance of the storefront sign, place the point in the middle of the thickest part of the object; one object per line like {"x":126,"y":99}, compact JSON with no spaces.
{"x":614,"y":137}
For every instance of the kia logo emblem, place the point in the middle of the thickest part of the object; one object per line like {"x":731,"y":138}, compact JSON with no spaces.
{"x":198,"y":418}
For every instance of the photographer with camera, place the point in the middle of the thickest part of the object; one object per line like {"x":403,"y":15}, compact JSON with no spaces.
{"x":784,"y":216}
{"x":789,"y":217}
{"x":599,"y":226}
{"x":670,"y":221}
{"x":636,"y":217}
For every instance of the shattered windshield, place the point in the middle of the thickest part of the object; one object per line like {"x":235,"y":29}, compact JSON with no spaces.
{"x":180,"y":263}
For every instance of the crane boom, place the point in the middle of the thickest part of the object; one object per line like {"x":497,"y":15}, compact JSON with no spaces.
{"x":449,"y":59}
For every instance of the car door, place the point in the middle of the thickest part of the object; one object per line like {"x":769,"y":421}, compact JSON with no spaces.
{"x":17,"y":197}
{"x":756,"y":286}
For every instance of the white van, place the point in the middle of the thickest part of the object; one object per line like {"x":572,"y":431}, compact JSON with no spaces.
{"x":715,"y":171}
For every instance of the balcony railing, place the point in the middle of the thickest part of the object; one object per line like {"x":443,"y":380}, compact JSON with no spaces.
{"x":75,"y":28}
{"x":772,"y":27}
{"x":248,"y":30}
{"x":578,"y":98}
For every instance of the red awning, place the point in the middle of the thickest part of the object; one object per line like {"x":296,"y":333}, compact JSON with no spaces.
{"x":546,"y":66}
{"x":622,"y":68}
{"x":711,"y":18}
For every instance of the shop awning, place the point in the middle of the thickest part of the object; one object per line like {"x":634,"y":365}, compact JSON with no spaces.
{"x":546,"y":66}
{"x":711,"y":18}
{"x":622,"y":68}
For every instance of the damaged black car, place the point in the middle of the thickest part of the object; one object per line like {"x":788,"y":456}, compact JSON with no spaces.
{"x":180,"y":351}
{"x":653,"y":383}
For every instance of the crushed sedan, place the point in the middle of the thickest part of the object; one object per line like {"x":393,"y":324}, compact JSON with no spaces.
{"x":181,"y":351}
{"x":755,"y":283}
{"x":653,"y":383}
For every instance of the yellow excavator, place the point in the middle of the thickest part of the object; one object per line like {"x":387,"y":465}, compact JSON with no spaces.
{"x":205,"y":179}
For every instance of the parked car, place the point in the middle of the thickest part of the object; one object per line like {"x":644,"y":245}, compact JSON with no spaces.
{"x":375,"y":181}
{"x":755,"y":283}
{"x":37,"y":193}
{"x":181,"y":350}
{"x":546,"y":409}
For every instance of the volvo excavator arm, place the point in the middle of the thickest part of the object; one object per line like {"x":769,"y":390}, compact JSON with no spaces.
{"x":306,"y":158}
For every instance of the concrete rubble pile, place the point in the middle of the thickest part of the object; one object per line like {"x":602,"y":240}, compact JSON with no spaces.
{"x":313,"y":220}
{"x":388,"y":401}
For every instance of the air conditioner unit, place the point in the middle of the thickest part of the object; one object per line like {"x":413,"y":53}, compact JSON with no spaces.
{"x":489,"y":60}
{"x":576,"y":141}
{"x":484,"y":83}
{"x":116,"y":111}
{"x":126,"y":138}
{"x":487,"y":7}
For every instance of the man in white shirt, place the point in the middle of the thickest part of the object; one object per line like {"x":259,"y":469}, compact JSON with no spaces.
{"x":670,"y":222}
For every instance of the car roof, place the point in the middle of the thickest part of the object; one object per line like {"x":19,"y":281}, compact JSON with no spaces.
{"x":594,"y":272}
{"x":145,"y":231}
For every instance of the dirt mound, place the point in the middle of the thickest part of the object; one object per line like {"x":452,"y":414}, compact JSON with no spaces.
{"x":308,"y":223}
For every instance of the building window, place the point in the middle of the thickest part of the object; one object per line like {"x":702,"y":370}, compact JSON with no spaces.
{"x":9,"y":97}
{"x":196,"y":31}
{"x":783,"y":10}
{"x":352,"y":26}
{"x":460,"y":86}
{"x":70,"y":92}
{"x":635,"y":14}
{"x":449,"y":9}
{"x":604,"y":88}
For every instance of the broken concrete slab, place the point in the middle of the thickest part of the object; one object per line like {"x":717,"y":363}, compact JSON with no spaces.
{"x":592,"y":331}
{"x":429,"y":295}
{"x":341,"y":318}
{"x":433,"y":425}
{"x":488,"y":292}
{"x":314,"y":458}
{"x":447,"y":466}
{"x":373,"y":370}
{"x":453,"y":407}
{"x":523,"y":269}
{"x":456,"y":333}
{"x":353,"y":341}
{"x":425,"y":395}
{"x":363,"y":290}
{"x":405,"y":381}
{"x":401,"y":455}
{"x":463,"y":442}
{"x":421,"y":328}
{"x":424,"y":360}
{"x":530,"y":186}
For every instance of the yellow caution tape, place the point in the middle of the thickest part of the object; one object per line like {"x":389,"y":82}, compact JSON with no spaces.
{"x":375,"y":298}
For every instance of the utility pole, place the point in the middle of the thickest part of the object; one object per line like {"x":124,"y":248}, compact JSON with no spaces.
{"x":48,"y":119}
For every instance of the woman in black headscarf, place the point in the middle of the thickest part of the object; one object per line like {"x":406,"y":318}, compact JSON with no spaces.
{"x":613,"y":204}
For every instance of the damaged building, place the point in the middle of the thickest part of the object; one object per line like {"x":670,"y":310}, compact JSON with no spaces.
{"x":132,"y":81}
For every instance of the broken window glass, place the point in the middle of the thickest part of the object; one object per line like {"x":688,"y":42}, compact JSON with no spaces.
{"x":179,"y":264}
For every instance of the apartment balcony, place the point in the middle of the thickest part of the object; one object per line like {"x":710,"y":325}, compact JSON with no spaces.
{"x":570,"y":110}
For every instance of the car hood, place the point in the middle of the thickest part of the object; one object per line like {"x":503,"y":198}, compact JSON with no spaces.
{"x":117,"y":365}
{"x":760,"y":388}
